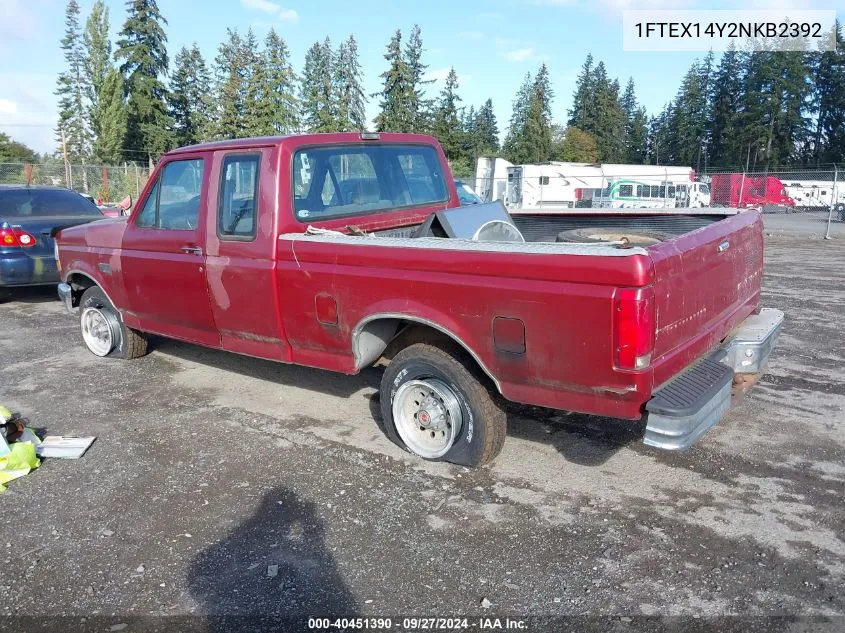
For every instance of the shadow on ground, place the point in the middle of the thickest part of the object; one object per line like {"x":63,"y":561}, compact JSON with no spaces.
{"x":318,"y":380}
{"x":581,"y":439}
{"x":274,"y":570}
{"x":29,"y":294}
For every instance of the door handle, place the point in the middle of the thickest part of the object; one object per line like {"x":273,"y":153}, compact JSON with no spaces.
{"x":194,"y":250}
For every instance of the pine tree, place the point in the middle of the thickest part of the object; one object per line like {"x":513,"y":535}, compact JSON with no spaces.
{"x":607,"y":122}
{"x":688,"y":125}
{"x":350,"y":99}
{"x":231,"y":80}
{"x":395,"y":113}
{"x":636,"y":126}
{"x":583,"y":102}
{"x":538,"y":129}
{"x":828,"y":134}
{"x":142,"y":47}
{"x":71,"y":90}
{"x":447,"y":126}
{"x":191,"y":109}
{"x":724,"y":119}
{"x":485,"y":131}
{"x":96,"y":65}
{"x":316,"y":89}
{"x":108,"y":145}
{"x":420,"y":108}
{"x":281,"y":88}
{"x":258,"y":107}
{"x":514,"y":147}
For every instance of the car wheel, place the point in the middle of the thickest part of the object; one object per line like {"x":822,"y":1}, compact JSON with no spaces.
{"x":103,"y":331}
{"x":437,"y":404}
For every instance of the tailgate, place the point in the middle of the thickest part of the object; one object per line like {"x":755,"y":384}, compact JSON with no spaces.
{"x":706,"y":282}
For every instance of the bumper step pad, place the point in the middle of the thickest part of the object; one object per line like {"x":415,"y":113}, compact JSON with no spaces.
{"x":682,"y":410}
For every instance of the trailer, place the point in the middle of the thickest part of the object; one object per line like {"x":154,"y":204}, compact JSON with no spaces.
{"x":562,"y":185}
{"x":814,"y":194}
{"x":491,"y":176}
{"x":747,"y":191}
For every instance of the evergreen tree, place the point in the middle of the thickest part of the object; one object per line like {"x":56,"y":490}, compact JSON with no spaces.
{"x":420,"y":108}
{"x":317,"y":89}
{"x":828,"y":134}
{"x":281,"y":89}
{"x":688,"y":125}
{"x":447,"y":126}
{"x":724,"y":118}
{"x":607,"y":122}
{"x":396,"y":114}
{"x":583,"y":102}
{"x":351,"y":102}
{"x":514,"y":147}
{"x":259,"y":110}
{"x":71,"y":90}
{"x":142,"y":47}
{"x":485,"y":131}
{"x":111,"y":116}
{"x":636,"y":126}
{"x":96,"y":65}
{"x":191,"y":108}
{"x":231,"y":79}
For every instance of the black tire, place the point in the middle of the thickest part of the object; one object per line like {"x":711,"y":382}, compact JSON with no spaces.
{"x":128,"y":343}
{"x":840,"y":209}
{"x":597,"y":235}
{"x":484,"y":426}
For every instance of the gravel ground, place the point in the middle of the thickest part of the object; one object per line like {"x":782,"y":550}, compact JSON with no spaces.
{"x":228,"y":486}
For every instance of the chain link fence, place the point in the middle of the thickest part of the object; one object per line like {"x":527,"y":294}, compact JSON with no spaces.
{"x":105,"y":183}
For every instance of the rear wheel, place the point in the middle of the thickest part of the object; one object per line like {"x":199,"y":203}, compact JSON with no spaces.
{"x":437,"y":404}
{"x":103,"y":331}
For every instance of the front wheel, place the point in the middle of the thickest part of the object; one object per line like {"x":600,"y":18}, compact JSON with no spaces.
{"x":437,"y":404}
{"x":103,"y":331}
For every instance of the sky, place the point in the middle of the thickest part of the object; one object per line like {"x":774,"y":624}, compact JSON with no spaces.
{"x":490,"y":43}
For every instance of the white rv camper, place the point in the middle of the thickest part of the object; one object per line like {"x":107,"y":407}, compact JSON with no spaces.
{"x":559,"y":185}
{"x":815,"y":193}
{"x":491,"y":178}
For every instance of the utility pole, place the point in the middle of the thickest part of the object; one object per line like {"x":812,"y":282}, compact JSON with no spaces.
{"x":68,"y":181}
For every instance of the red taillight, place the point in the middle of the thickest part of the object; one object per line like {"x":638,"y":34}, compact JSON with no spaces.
{"x":16,"y":237}
{"x":633,"y":327}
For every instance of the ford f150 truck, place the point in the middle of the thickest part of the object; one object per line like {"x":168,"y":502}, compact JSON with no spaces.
{"x":342,"y":251}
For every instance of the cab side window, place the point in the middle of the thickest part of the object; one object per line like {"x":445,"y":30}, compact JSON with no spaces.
{"x":174,"y":201}
{"x":237,"y":206}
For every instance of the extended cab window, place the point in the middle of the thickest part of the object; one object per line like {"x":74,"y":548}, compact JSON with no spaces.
{"x":174,"y":200}
{"x":358,"y":179}
{"x":238,"y":197}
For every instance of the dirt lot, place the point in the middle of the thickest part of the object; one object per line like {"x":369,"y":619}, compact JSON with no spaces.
{"x":226,"y":485}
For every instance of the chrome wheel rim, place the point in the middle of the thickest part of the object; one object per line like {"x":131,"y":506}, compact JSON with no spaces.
{"x":427,"y":415}
{"x":96,"y":332}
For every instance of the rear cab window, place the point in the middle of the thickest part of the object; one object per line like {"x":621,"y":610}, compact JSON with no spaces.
{"x":41,"y":203}
{"x":348,"y":180}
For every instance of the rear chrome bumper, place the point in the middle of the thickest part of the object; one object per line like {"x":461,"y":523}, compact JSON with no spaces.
{"x":749,"y":346}
{"x":694,"y":401}
{"x":66,"y":295}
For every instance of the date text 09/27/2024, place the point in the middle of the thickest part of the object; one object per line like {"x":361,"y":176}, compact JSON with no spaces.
{"x":418,"y":624}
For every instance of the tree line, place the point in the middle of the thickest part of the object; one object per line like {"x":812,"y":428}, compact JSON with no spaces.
{"x":131,"y":103}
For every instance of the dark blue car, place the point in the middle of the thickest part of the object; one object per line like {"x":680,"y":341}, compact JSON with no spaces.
{"x":29,"y":217}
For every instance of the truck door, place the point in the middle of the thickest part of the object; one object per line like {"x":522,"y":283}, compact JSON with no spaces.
{"x":241,"y":237}
{"x":162,"y":259}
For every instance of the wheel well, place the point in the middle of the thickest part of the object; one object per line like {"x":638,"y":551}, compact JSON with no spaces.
{"x":79,"y":283}
{"x":380,"y":339}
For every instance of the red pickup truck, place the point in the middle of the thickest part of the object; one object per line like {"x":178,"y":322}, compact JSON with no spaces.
{"x":342,"y":251}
